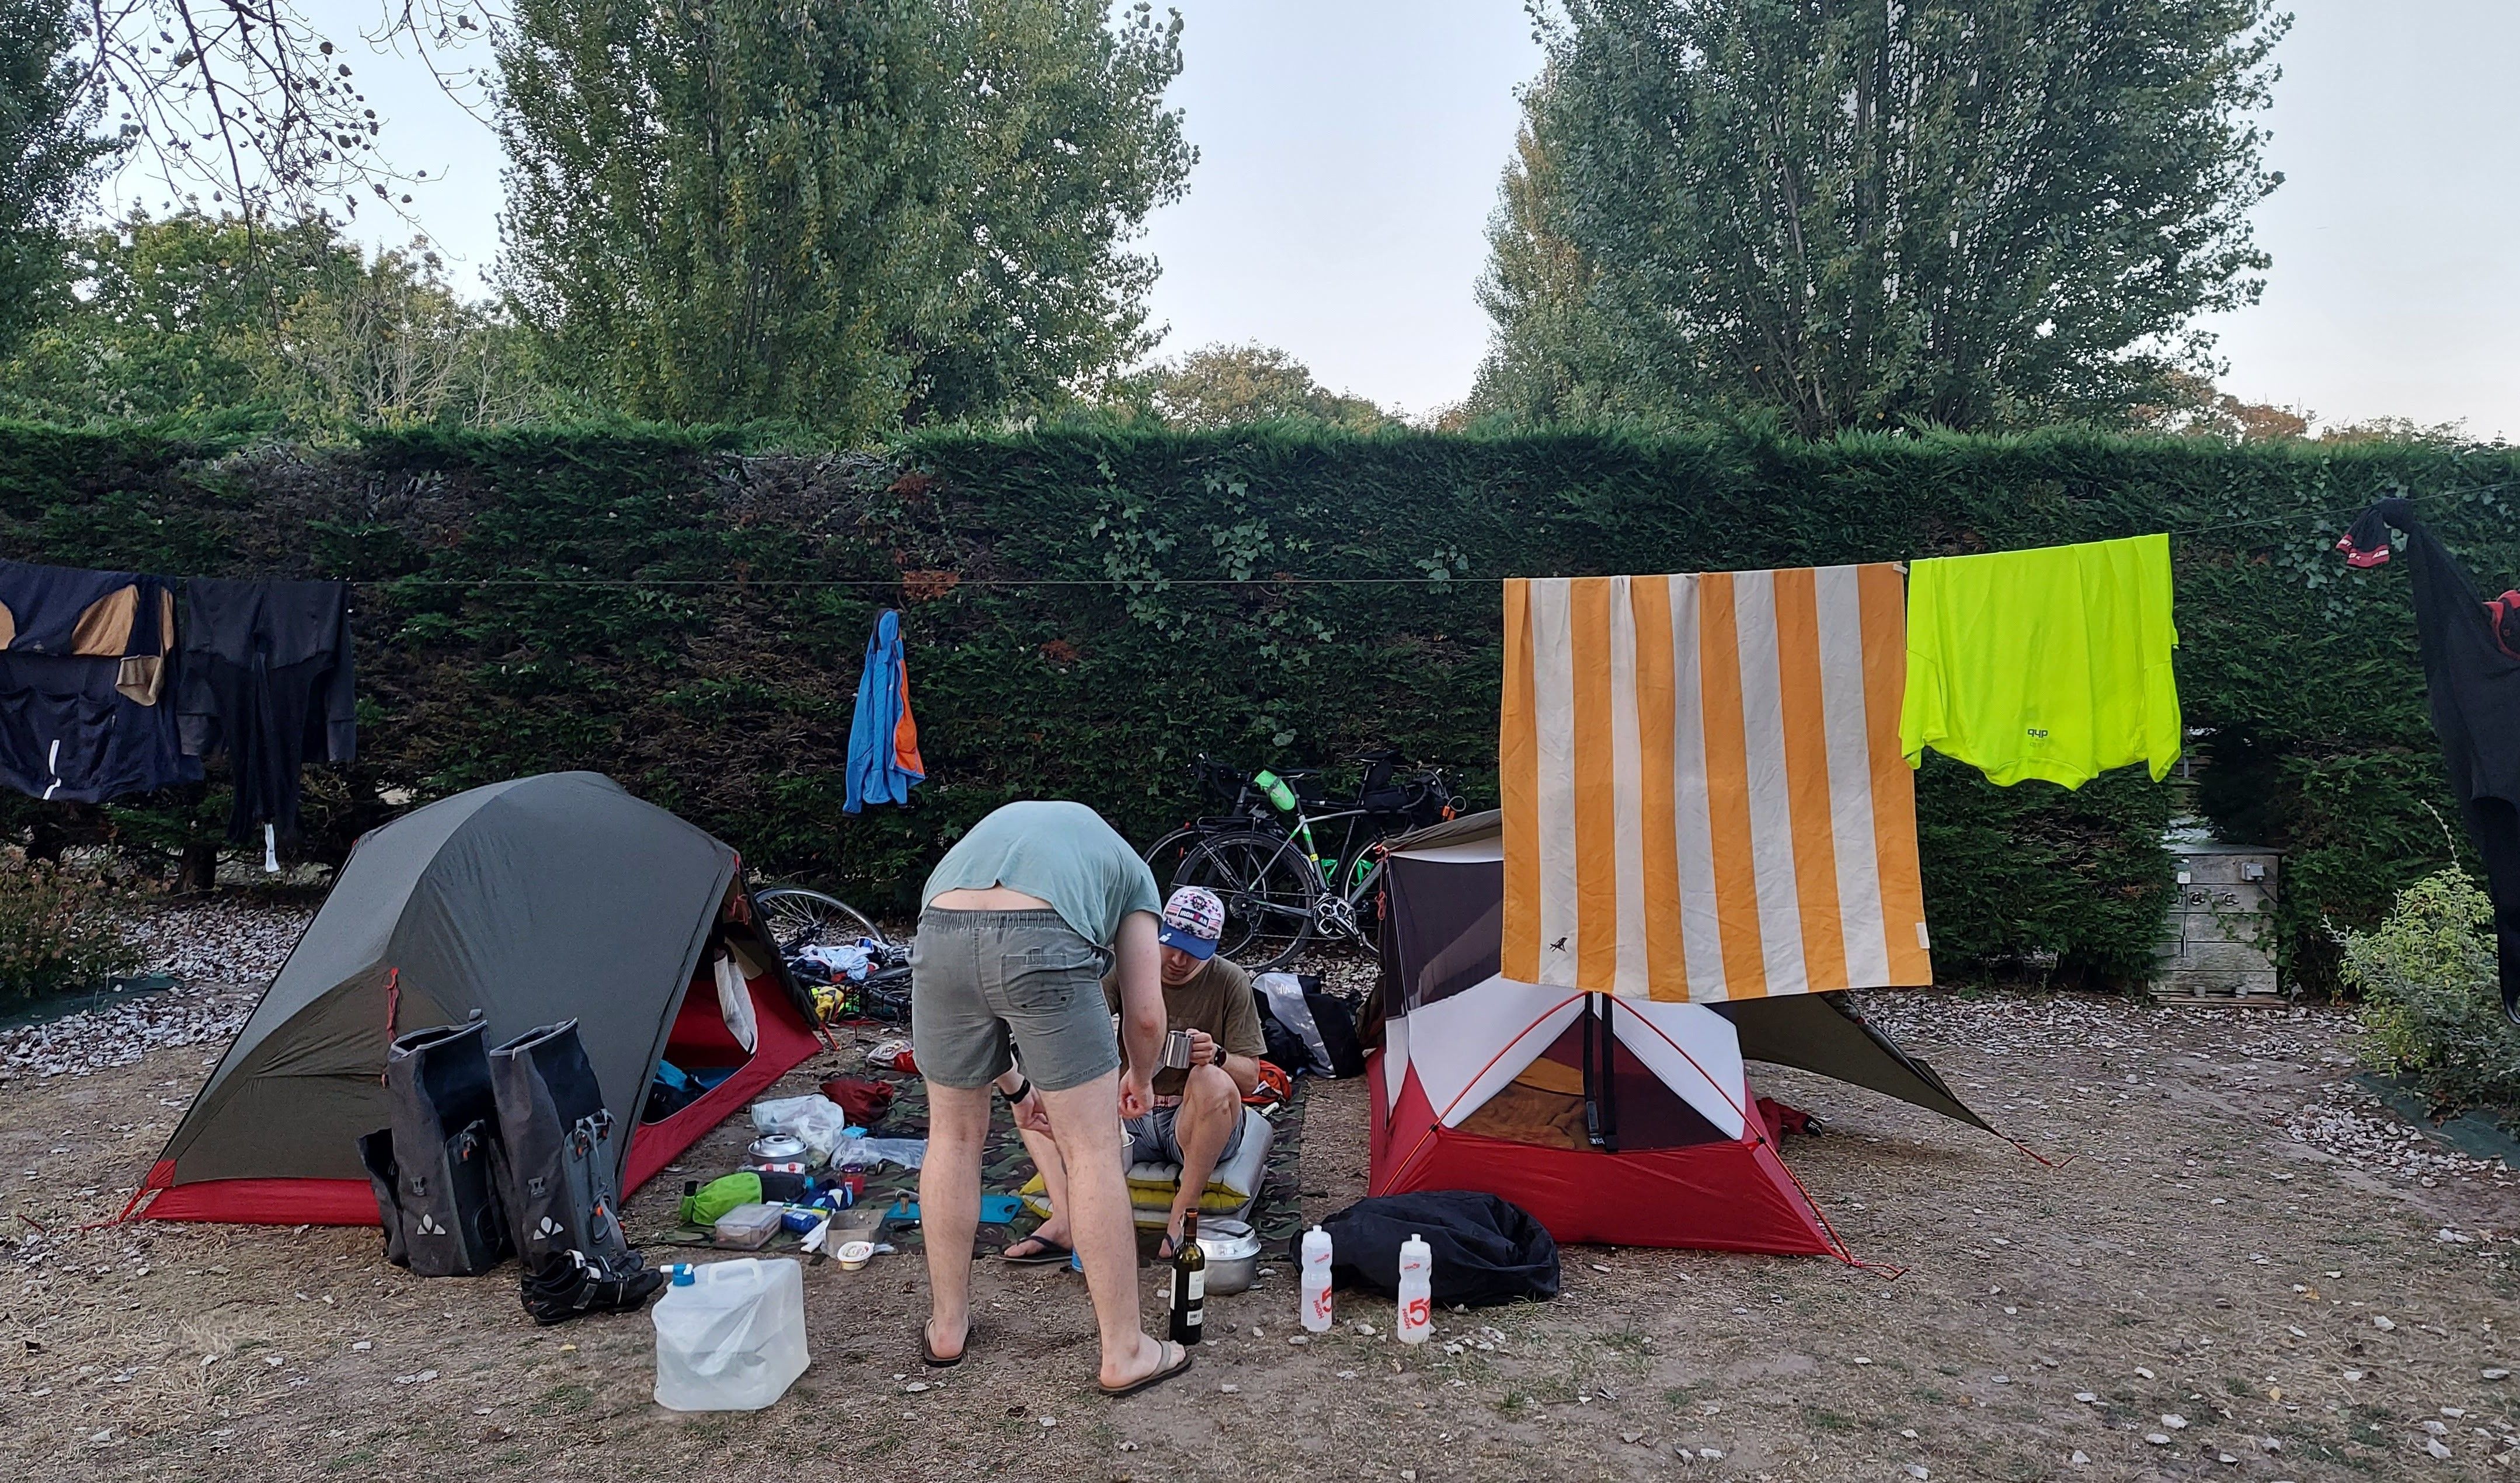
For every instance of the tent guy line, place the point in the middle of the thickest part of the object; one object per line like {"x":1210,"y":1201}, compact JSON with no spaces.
{"x":1278,"y":579}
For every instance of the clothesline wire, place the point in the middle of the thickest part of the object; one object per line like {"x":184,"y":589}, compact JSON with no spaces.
{"x":2344,"y":515}
{"x":944,"y":582}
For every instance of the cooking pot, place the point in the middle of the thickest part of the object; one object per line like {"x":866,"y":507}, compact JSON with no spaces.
{"x":1233,"y":1252}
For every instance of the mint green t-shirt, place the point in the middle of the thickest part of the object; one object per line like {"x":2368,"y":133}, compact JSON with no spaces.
{"x":1061,"y":852}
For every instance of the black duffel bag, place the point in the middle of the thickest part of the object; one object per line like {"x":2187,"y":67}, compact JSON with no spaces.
{"x":1487,"y":1250}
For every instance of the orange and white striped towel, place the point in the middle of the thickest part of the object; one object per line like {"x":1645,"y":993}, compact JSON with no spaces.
{"x":1704,"y":796}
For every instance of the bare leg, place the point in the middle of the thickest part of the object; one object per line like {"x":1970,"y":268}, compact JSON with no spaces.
{"x":949,"y":1209}
{"x":1053,"y":1180}
{"x":1086,"y":1120}
{"x":1210,"y":1108}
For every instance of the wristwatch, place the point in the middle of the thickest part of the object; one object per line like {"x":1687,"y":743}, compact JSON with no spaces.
{"x":1023,"y":1089}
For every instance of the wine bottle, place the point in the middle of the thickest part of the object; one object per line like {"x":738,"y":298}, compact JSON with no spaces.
{"x":1190,"y":1285}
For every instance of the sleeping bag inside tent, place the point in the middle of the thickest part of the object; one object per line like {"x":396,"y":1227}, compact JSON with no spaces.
{"x":542,"y":899}
{"x":1611,"y":1119}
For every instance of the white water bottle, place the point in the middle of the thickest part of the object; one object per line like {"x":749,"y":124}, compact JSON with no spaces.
{"x":1317,"y":1280}
{"x":1416,"y":1302}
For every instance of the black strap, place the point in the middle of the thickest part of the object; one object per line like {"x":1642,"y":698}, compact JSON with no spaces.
{"x":1600,"y":1078}
{"x":1610,"y":1072}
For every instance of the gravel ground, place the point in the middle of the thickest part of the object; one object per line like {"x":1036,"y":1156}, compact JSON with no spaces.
{"x":220,"y":952}
{"x":2243,"y":1268}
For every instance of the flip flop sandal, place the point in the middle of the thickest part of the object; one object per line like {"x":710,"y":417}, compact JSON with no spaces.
{"x":928,"y":1356}
{"x":1162,"y":1373}
{"x":1050,"y":1252}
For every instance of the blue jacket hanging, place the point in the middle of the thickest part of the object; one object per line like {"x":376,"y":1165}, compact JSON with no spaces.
{"x":883,"y":737}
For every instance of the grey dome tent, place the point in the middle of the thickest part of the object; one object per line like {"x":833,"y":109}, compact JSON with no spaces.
{"x":546,"y":898}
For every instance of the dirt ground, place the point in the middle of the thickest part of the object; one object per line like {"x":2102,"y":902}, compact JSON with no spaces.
{"x":2240,"y":1271}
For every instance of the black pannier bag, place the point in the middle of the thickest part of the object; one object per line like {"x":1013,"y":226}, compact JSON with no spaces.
{"x":559,"y":1179}
{"x":431,"y":1168}
{"x":1336,"y":1028}
{"x":1300,"y":1021}
{"x":376,"y":1154}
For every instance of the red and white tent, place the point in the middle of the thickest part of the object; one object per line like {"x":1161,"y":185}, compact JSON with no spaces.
{"x":1484,"y":1089}
{"x":1612,"y":1119}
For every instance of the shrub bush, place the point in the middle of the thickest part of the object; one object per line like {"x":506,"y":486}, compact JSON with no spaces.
{"x":60,"y":928}
{"x":2432,"y":1003}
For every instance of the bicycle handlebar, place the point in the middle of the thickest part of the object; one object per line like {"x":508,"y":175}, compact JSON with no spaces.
{"x":1236,"y":786}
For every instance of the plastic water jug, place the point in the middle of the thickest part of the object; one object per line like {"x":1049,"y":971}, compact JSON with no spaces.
{"x":1417,"y":1300}
{"x":1317,"y":1280}
{"x":730,"y":1336}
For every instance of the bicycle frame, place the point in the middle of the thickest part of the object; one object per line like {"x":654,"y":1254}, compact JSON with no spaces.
{"x":1347,"y":872}
{"x":1341,"y":880}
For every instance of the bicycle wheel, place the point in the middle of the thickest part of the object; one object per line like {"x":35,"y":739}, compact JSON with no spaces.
{"x":1165,"y":856}
{"x":1267,"y":887}
{"x":796,"y":917}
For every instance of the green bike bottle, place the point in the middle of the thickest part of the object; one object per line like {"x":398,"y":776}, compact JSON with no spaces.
{"x":1276,"y":788}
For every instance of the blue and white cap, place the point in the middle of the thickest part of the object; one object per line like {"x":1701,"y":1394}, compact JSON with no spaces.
{"x":1193,"y":919}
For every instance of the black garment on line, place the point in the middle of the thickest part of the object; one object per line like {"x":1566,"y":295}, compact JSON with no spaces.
{"x":267,"y":675}
{"x":2472,"y":678}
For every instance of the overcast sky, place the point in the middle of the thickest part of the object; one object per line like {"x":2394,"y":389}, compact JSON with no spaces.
{"x":1350,"y":152}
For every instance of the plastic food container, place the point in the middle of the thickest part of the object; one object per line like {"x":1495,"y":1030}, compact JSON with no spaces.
{"x":746,"y":1228}
{"x":730,"y":1336}
{"x":855,"y":1254}
{"x":1232,"y":1250}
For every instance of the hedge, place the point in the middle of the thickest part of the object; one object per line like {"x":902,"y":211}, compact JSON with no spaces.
{"x":1088,"y":609}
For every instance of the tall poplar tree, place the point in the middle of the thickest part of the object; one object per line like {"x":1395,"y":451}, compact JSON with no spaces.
{"x":847,"y":215}
{"x":1863,"y":213}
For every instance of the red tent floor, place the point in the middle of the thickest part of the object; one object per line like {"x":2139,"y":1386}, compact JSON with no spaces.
{"x":1717,"y":1197}
{"x":780,"y":1045}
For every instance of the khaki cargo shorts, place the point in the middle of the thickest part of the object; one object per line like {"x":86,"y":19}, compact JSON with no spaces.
{"x":988,"y":987}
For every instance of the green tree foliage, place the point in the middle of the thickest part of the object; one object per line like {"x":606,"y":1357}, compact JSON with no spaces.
{"x":843,"y":216}
{"x":1223,"y":385}
{"x":1860,"y":214}
{"x":1549,"y":360}
{"x":2194,"y":407}
{"x":49,"y":158}
{"x":193,"y":314}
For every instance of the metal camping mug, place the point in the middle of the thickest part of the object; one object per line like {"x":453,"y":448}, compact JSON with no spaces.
{"x":1177,"y":1050}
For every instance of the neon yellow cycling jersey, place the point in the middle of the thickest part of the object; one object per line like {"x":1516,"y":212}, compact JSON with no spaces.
{"x":2052,"y":664}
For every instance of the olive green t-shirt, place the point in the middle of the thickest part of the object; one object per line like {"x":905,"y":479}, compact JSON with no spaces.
{"x":1217,"y":1000}
{"x":1061,"y":852}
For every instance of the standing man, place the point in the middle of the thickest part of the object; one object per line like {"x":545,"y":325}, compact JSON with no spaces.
{"x":1017,"y":927}
{"x":1197,"y":1120}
